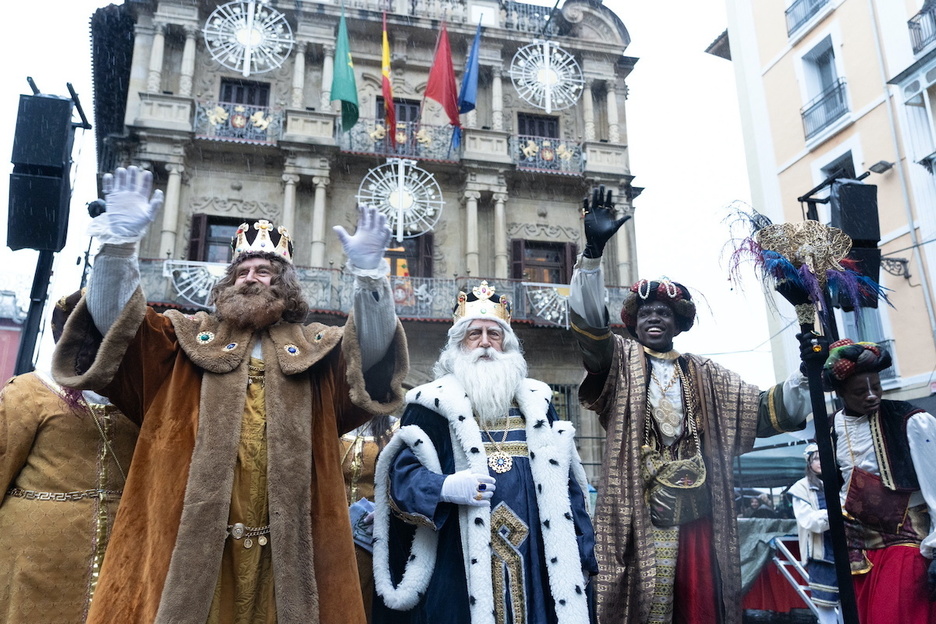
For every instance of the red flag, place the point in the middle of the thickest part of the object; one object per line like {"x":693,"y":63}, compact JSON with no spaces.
{"x":441,"y":87}
{"x":389,"y":107}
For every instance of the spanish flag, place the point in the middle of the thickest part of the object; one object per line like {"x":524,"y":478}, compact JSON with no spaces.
{"x":389,"y":108}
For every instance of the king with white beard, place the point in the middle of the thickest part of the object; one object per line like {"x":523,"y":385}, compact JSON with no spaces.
{"x":481,"y":514}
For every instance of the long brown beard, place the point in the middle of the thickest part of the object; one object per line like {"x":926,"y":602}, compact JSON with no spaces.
{"x":250,"y":306}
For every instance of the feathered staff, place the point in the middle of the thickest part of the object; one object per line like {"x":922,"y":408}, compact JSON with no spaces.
{"x":804,"y":261}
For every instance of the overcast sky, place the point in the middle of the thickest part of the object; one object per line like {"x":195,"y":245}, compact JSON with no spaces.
{"x":685,"y":149}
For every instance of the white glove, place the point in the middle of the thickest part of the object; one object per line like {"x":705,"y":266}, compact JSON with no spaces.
{"x":367,"y":247}
{"x":130,"y":209}
{"x":467,"y":488}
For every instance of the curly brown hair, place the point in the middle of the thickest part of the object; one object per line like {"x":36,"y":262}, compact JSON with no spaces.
{"x":285,"y":284}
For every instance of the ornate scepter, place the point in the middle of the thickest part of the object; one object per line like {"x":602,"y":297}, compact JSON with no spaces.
{"x":806,"y":263}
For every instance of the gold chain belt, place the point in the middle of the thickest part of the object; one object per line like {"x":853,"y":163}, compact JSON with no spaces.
{"x":61,"y":497}
{"x":239,"y":531}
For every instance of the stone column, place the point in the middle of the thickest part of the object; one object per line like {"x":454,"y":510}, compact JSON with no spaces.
{"x":614,"y":124}
{"x":289,"y":202}
{"x":298,"y":81}
{"x":472,"y":253}
{"x":625,"y":242}
{"x":188,"y":62}
{"x":318,"y":221}
{"x":497,"y":101}
{"x":588,"y":106}
{"x":154,"y":76}
{"x":501,"y":264}
{"x":328,"y":72}
{"x":170,"y":221}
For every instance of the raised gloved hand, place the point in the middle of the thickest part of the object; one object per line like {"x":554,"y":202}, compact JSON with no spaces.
{"x":813,"y":348}
{"x":130,"y":208}
{"x":368,"y":246}
{"x":600,"y":224}
{"x":467,"y":488}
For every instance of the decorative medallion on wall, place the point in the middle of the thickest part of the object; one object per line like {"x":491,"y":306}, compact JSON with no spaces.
{"x":409,"y":196}
{"x":546,"y":76}
{"x":248,"y":36}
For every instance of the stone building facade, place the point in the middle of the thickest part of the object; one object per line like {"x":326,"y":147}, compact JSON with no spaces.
{"x":230,"y":140}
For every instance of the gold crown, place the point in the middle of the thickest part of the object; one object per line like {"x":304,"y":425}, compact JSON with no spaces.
{"x":479,"y":303}
{"x":262,"y":241}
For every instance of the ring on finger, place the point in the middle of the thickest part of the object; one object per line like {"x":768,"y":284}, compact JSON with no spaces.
{"x":478,"y":496}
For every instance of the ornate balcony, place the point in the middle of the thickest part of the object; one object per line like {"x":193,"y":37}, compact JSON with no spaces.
{"x":413,"y":140}
{"x":187,"y":285}
{"x":546,"y":155}
{"x":824,"y":109}
{"x":922,"y":29}
{"x":240,"y":123}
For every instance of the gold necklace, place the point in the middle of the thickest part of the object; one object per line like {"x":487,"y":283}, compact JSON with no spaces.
{"x":499,"y":461}
{"x":665,"y":412}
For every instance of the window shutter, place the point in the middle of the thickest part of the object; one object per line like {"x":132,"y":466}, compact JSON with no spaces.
{"x":424,"y":249}
{"x":198,"y":237}
{"x":571,"y":252}
{"x":516,"y":255}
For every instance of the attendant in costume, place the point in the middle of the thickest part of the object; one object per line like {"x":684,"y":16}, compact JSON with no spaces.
{"x":886,"y":451}
{"x":815,"y":543}
{"x":665,"y":518}
{"x":359,"y":451}
{"x":480,"y":497}
{"x":63,"y":464}
{"x":234,"y":510}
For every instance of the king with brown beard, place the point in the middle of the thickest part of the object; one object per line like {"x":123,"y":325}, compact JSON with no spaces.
{"x":234,"y":509}
{"x":481,"y":515}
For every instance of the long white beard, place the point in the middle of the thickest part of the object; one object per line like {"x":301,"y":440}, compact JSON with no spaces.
{"x":490,"y":384}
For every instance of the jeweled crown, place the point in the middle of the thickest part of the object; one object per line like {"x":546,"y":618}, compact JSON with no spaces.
{"x":262,"y":241}
{"x":481,"y":302}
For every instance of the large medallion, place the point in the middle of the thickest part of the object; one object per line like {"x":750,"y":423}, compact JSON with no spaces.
{"x":500,"y":462}
{"x":667,"y":418}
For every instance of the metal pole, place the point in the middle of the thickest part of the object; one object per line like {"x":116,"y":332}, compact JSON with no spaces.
{"x":831,"y":487}
{"x":37,"y":297}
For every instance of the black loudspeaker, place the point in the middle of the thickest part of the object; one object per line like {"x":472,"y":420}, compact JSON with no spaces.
{"x":38,"y":212}
{"x":43,"y":132}
{"x":855,"y":210}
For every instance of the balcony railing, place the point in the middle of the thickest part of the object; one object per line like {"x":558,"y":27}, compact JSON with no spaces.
{"x":800,"y":11}
{"x":223,"y":121}
{"x":824,"y":109}
{"x":545,"y":154}
{"x":922,"y":29}
{"x":525,"y":17}
{"x":413,"y":140}
{"x":187,"y":285}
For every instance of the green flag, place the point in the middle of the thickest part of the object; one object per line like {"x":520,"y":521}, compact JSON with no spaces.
{"x":343,"y":86}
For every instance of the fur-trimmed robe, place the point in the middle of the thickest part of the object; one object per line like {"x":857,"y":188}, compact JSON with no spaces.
{"x":455,"y":443}
{"x":184,"y":379}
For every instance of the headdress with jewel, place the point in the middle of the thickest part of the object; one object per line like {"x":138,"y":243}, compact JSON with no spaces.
{"x":481,"y":303}
{"x":802,"y":260}
{"x":665,"y":290}
{"x":848,"y":358}
{"x":265,"y":240}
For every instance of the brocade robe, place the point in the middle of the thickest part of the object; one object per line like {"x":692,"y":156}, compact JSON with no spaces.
{"x":730,"y":414}
{"x":61,"y":475}
{"x":184,"y":380}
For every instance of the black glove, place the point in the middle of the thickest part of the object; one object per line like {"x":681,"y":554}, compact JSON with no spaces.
{"x":600,"y":224}
{"x":931,"y":580}
{"x":812,"y":347}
